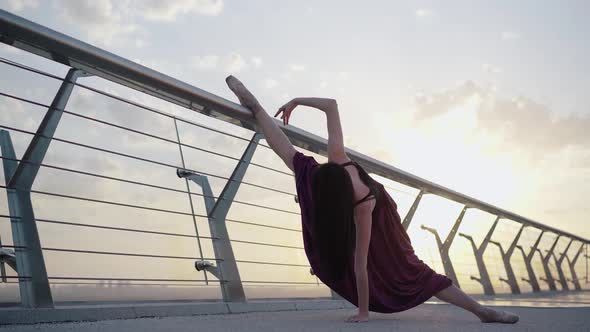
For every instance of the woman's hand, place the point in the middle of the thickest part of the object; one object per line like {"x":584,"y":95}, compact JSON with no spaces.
{"x":286,"y":110}
{"x":358,"y":318}
{"x":326,"y":105}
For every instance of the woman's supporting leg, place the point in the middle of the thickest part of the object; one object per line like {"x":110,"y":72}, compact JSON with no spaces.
{"x":454,"y":295}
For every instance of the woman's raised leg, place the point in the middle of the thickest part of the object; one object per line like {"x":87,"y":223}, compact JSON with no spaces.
{"x":454,"y":295}
{"x":275,"y":137}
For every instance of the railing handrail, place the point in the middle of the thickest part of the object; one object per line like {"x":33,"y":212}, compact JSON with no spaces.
{"x":56,"y":46}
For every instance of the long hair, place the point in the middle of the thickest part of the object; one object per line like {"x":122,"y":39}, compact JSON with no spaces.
{"x":333,"y":227}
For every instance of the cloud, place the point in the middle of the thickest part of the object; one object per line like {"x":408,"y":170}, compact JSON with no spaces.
{"x":206,"y":62}
{"x":169,"y":10}
{"x":296,"y":67}
{"x":101,"y":21}
{"x":19,"y":5}
{"x":344,"y":75}
{"x":108,"y":22}
{"x":234,"y":63}
{"x":521,"y":122}
{"x":256,"y":61}
{"x":510,"y":35}
{"x":423,"y":13}
{"x":270,"y":83}
{"x":230,"y":63}
{"x":490,"y":69}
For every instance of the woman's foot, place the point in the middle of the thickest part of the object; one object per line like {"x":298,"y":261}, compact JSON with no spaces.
{"x":489,"y":315}
{"x":246,"y":98}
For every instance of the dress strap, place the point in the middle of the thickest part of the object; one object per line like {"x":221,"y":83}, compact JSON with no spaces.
{"x":366,"y":198}
{"x":347,"y":163}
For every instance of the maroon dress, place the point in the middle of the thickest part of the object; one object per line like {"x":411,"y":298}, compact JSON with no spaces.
{"x":398,"y":279}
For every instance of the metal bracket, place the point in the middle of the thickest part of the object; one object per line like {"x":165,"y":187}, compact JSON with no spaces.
{"x":209,"y":267}
{"x":217,"y":210}
{"x":7,"y":256}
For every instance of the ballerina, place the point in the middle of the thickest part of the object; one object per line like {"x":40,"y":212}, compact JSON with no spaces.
{"x":352,"y":232}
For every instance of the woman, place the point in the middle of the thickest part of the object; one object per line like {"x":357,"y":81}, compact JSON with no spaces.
{"x":352,"y":233}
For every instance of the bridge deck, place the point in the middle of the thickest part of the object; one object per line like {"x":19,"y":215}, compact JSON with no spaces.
{"x":546,"y":312}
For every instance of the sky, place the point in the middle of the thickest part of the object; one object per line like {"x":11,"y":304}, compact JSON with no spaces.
{"x":486,"y":98}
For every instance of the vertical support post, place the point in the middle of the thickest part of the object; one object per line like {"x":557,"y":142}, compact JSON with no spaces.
{"x":20,"y":176}
{"x":559,"y":262}
{"x":528,"y":258}
{"x":443,"y":247}
{"x":545,"y":260}
{"x":227,"y":270}
{"x":572,"y":265}
{"x":2,"y":265}
{"x":484,"y":277}
{"x":508,"y":264}
{"x":412,"y":211}
{"x":506,"y":255}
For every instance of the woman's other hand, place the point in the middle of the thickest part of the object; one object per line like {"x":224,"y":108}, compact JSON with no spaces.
{"x":286,"y":111}
{"x":358,"y":318}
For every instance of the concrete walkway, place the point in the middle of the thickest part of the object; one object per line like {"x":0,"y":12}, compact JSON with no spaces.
{"x":427,"y":317}
{"x":558,"y":311}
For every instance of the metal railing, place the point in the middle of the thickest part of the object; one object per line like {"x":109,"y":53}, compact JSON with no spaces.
{"x":26,"y":254}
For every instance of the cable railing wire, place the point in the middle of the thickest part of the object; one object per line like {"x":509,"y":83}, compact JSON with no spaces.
{"x":150,"y":232}
{"x":129,"y":254}
{"x":144,"y":160}
{"x":272,"y":263}
{"x":112,"y":178}
{"x":135,"y":230}
{"x":267,"y":244}
{"x":130,"y":279}
{"x":139,"y":132}
{"x":111,"y":203}
{"x":278,"y":282}
{"x":130,"y":102}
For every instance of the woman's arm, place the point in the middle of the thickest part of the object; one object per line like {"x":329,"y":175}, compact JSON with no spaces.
{"x":363,"y":219}
{"x":275,"y":137}
{"x":330,"y":107}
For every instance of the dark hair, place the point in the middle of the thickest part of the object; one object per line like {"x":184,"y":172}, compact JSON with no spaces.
{"x":333,"y":226}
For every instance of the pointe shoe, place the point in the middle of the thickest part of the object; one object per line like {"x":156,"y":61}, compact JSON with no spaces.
{"x":245,"y":97}
{"x":499,"y":316}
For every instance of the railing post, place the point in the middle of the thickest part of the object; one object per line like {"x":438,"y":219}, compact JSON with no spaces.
{"x":559,"y":262}
{"x":412,"y":211}
{"x":484,"y":277}
{"x":19,"y":176}
{"x":511,"y":278}
{"x":2,"y":265}
{"x":572,"y":265}
{"x":443,"y":247}
{"x":545,"y":260}
{"x":227,"y":269}
{"x":528,"y":258}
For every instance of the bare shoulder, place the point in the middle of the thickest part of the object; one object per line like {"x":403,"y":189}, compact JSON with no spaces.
{"x":366,"y":207}
{"x":339,"y":158}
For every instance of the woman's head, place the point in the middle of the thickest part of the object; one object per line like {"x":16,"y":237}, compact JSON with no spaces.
{"x":334,"y":228}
